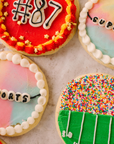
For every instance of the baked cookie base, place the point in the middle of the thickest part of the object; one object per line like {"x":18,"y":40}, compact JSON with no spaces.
{"x":57,"y":49}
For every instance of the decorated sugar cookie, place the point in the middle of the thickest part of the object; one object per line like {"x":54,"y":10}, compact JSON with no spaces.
{"x":23,"y":94}
{"x":85,"y":110}
{"x":37,"y":27}
{"x":96,"y":30}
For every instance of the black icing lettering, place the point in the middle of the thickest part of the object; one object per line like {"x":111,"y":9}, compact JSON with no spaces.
{"x":101,"y":21}
{"x":109,"y":24}
{"x":37,"y":16}
{"x":17,"y":97}
{"x":57,"y":9}
{"x":3,"y":95}
{"x":24,"y":13}
{"x":25,"y":98}
{"x":10,"y":96}
{"x":95,"y":19}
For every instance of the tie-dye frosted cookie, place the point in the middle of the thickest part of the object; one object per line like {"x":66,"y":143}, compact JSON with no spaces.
{"x":85,"y":110}
{"x":37,"y":27}
{"x":23,"y":94}
{"x":96,"y":30}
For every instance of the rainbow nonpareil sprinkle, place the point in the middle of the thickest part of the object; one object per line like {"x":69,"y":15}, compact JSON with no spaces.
{"x":93,"y":94}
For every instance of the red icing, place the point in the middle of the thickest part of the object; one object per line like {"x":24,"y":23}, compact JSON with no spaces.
{"x":29,"y":50}
{"x":11,"y":43}
{"x":20,"y":48}
{"x":2,"y":30}
{"x":36,"y":35}
{"x":1,"y":142}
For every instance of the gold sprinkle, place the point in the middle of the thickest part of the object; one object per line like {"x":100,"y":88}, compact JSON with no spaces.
{"x":35,"y":50}
{"x":60,"y":37}
{"x":27,"y":42}
{"x":3,"y":18}
{"x":5,"y":14}
{"x":74,"y":23}
{"x":69,"y":28}
{"x":3,"y":36}
{"x":46,"y":36}
{"x":19,"y":22}
{"x":57,"y":32}
{"x":40,"y":48}
{"x":53,"y":37}
{"x":13,"y":38}
{"x":21,"y":37}
{"x":69,"y":24}
{"x":6,"y":4}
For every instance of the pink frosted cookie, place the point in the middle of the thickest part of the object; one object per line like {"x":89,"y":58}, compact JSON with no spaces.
{"x":23,"y":94}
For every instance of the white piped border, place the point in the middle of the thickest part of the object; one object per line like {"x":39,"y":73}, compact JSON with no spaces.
{"x":16,"y":59}
{"x":85,"y":38}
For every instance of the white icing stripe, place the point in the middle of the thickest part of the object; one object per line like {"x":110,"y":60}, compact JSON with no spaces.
{"x":85,"y":38}
{"x":81,"y":127}
{"x":109,"y":130}
{"x":16,"y":59}
{"x":95,"y":129}
{"x":68,"y":123}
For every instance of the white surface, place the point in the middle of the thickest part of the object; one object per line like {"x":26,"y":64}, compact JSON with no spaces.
{"x":60,"y":68}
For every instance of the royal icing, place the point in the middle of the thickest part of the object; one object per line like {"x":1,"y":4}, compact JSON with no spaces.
{"x":86,"y":110}
{"x":96,"y":28}
{"x":40,"y":26}
{"x":21,"y":100}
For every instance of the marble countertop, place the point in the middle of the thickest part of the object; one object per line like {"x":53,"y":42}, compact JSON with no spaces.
{"x":60,"y":68}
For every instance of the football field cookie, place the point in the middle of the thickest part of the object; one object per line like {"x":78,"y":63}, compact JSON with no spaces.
{"x":23,"y":94}
{"x":85,"y":110}
{"x":37,"y":27}
{"x":96,"y":30}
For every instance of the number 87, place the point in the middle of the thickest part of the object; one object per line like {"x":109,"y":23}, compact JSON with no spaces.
{"x":38,"y":16}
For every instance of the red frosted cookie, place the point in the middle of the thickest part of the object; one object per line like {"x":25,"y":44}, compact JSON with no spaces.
{"x":37,"y":27}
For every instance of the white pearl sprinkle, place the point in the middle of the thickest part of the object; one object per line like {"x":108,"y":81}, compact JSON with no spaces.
{"x":40,"y":84}
{"x":106,"y":59}
{"x":38,"y":108}
{"x":16,"y":59}
{"x":89,"y":5}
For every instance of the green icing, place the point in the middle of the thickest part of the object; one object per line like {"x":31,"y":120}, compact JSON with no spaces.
{"x":88,"y":129}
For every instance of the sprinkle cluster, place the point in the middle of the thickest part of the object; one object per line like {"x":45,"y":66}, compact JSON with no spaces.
{"x":93,"y":94}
